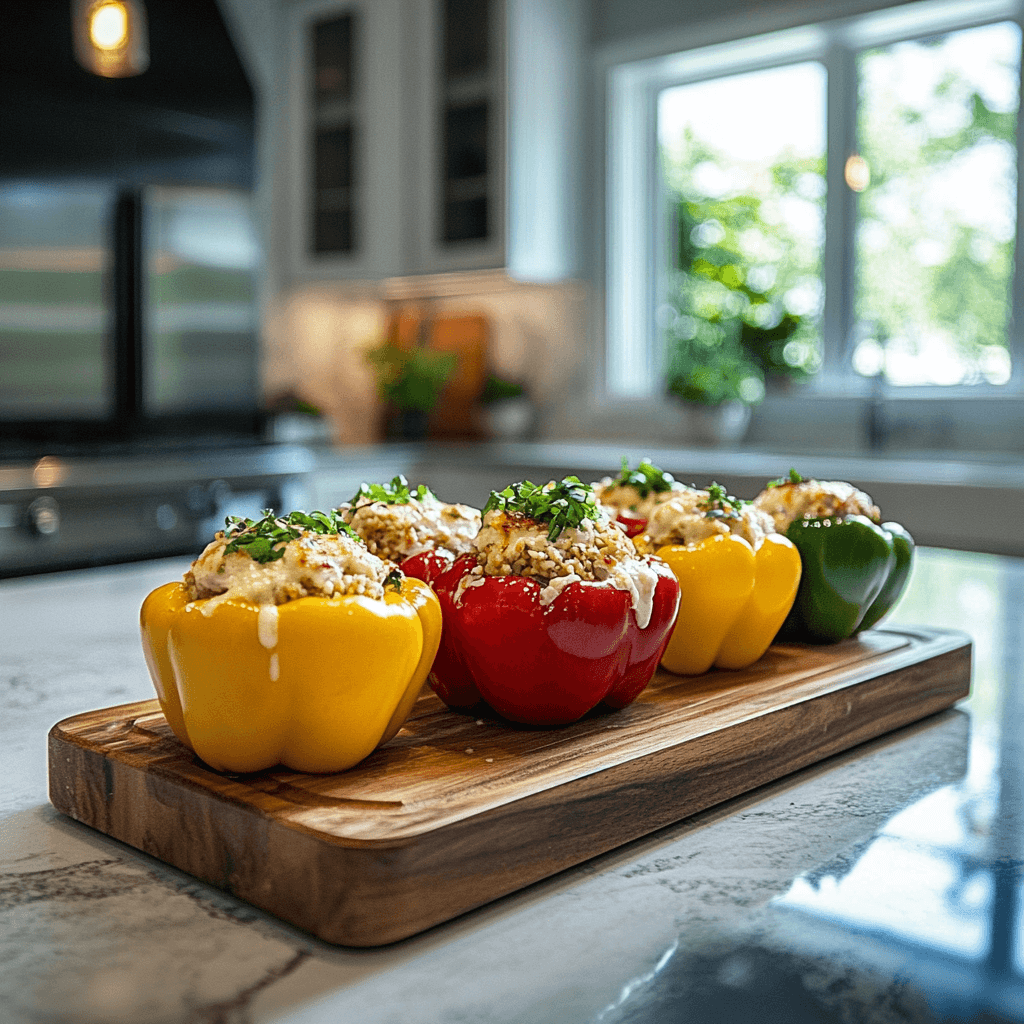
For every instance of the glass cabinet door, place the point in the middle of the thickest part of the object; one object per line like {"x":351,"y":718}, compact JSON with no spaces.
{"x":335,"y":134}
{"x":200,"y":255}
{"x":467,"y":109}
{"x":56,"y":318}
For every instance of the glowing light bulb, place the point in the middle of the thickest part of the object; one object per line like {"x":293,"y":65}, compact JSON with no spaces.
{"x":108,"y":26}
{"x":110,"y":37}
{"x":857,"y":173}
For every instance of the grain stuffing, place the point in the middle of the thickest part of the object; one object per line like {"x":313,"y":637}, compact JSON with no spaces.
{"x":625,"y":497}
{"x":595,"y":551}
{"x":398,"y":530}
{"x":693,"y":515}
{"x":814,"y":499}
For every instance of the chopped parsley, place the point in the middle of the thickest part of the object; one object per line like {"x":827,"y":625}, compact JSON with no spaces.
{"x":793,"y":478}
{"x":561,"y":505}
{"x":395,"y":493}
{"x":645,"y":478}
{"x":721,"y":505}
{"x":263,"y":539}
{"x":394,"y":579}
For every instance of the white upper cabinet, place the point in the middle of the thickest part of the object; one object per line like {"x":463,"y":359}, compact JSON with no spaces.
{"x":345,"y":133}
{"x":396,"y":137}
{"x":460,"y":137}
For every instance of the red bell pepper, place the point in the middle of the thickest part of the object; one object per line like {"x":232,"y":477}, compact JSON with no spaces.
{"x":546,"y":665}
{"x":633,"y":523}
{"x":427,"y":565}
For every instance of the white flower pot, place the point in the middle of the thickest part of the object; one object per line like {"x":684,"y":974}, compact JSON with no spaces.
{"x":511,"y":419}
{"x":715,"y":424}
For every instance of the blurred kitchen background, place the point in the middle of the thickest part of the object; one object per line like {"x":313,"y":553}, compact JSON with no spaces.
{"x":253,"y":252}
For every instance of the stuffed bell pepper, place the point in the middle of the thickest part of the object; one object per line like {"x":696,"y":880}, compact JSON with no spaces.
{"x":855,"y":567}
{"x":737,"y":578}
{"x":411,"y":527}
{"x":289,"y":643}
{"x":632,"y":496}
{"x":554,"y":611}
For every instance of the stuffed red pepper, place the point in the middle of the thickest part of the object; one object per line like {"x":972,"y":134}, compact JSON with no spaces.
{"x":411,"y":527}
{"x":554,"y":612}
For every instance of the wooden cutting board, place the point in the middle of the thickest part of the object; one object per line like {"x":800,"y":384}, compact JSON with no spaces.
{"x":460,"y":809}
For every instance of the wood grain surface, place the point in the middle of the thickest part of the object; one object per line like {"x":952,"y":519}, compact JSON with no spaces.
{"x":460,"y":809}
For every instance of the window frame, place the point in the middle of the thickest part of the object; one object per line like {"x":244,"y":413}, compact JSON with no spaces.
{"x":636,"y":229}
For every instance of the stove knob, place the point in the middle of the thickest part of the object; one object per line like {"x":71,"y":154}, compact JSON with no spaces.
{"x":166,"y":517}
{"x":44,"y":517}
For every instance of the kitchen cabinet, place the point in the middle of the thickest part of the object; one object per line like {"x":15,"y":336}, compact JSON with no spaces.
{"x":396,"y":137}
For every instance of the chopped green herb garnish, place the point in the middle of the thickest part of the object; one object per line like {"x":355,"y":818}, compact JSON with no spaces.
{"x":645,"y":478}
{"x":793,"y":478}
{"x":562,"y":505}
{"x":394,"y":579}
{"x":395,"y":493}
{"x":263,"y":539}
{"x":721,"y":505}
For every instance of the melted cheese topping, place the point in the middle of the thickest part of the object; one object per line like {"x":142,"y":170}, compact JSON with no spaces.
{"x":398,"y":531}
{"x":684,"y":520}
{"x":814,"y":499}
{"x":313,"y":565}
{"x":595,"y":552}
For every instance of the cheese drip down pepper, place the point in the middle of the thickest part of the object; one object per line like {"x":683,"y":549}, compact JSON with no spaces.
{"x":855,"y":568}
{"x":315,"y":682}
{"x":554,"y":613}
{"x":737,"y":579}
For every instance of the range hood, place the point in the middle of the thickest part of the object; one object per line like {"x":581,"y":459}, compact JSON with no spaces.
{"x":188,"y":118}
{"x":127,"y":249}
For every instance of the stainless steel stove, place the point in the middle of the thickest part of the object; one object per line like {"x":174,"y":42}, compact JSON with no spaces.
{"x":64,"y":513}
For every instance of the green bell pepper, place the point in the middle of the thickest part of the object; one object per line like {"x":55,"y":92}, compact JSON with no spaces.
{"x":854,"y":571}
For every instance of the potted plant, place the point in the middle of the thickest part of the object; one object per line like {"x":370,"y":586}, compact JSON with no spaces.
{"x":727,"y":326}
{"x":293,"y":420}
{"x":717,"y":381}
{"x":508,"y":409}
{"x":410,"y":381}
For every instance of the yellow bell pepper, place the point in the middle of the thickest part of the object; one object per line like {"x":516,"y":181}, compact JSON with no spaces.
{"x":733,"y":600}
{"x":338,"y":680}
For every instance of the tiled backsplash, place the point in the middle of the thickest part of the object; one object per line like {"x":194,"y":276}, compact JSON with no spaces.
{"x":316,"y":336}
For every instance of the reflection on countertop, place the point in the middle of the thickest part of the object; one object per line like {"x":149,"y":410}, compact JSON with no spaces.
{"x":883,"y":884}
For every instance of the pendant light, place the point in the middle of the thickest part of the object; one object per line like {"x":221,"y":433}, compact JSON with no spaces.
{"x":110,"y":36}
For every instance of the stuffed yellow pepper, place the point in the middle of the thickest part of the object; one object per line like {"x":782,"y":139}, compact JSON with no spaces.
{"x":289,"y":643}
{"x":737,"y":578}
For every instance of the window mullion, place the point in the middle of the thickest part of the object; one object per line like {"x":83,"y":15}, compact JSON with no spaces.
{"x":840,"y":217}
{"x":662,"y":248}
{"x":1015,"y":327}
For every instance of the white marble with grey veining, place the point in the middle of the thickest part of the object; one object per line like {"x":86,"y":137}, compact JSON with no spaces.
{"x":870,"y":887}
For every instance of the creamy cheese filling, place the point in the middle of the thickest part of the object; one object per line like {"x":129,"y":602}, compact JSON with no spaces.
{"x":685,"y":520}
{"x":594,"y":552}
{"x":397,"y":531}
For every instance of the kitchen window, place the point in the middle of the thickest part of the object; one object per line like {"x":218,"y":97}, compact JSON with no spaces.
{"x":844,"y":195}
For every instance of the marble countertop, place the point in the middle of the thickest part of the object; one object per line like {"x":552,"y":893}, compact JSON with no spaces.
{"x":884,"y":884}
